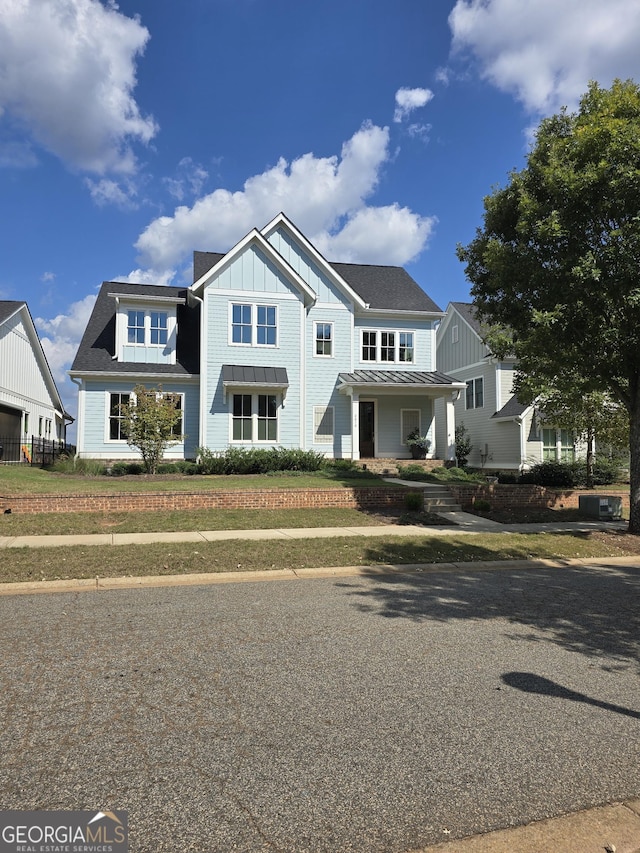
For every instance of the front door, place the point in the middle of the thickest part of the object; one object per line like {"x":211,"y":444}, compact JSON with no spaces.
{"x":367,"y":432}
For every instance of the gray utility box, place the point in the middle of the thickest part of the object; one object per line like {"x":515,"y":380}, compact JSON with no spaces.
{"x":604,"y":507}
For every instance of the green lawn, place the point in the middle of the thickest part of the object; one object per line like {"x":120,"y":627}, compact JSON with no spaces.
{"x":23,"y":479}
{"x":23,"y":564}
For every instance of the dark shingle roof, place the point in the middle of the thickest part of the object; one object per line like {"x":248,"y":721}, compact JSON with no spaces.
{"x":468,"y":312}
{"x":9,"y":307}
{"x":97,"y":346}
{"x":513,"y":408}
{"x":245,"y":374}
{"x":203,"y":261}
{"x":383,"y":287}
{"x":387,"y":288}
{"x":396,"y":377}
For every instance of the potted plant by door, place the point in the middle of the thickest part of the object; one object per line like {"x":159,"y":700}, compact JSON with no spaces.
{"x":418,"y":444}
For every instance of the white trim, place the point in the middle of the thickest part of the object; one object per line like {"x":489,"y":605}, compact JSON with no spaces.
{"x":254,"y":440}
{"x":396,"y":346}
{"x":475,"y":366}
{"x":253,"y":305}
{"x":139,"y":297}
{"x":332,"y":340}
{"x":323,"y":410}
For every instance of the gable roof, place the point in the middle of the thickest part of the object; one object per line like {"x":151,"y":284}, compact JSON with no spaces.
{"x":97,"y":347}
{"x":9,"y":307}
{"x":203,"y":262}
{"x":468,"y":313}
{"x":513,"y":408}
{"x":386,"y":288}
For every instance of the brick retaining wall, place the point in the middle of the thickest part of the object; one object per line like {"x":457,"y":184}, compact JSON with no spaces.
{"x":378,"y":497}
{"x":521,"y":497}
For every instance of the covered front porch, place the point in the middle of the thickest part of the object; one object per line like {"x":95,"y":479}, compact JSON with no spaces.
{"x":388,"y":405}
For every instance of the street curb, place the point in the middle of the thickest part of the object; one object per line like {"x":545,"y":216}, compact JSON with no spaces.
{"x":611,"y":827}
{"x":98,"y":584}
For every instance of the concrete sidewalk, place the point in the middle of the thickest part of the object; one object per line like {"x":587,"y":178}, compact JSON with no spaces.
{"x":456,"y":523}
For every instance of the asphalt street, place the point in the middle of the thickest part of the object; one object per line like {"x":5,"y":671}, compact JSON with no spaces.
{"x":370,"y":714}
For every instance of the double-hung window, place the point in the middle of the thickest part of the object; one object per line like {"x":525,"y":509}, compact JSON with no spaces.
{"x":475,"y":394}
{"x":159,"y":328}
{"x":116,"y":418}
{"x":135,"y":327}
{"x":405,"y":347}
{"x":254,"y":325}
{"x":369,"y":346}
{"x":387,"y":346}
{"x":254,"y":417}
{"x":324,"y":339}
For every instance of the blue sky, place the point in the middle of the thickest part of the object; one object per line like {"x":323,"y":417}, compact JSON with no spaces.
{"x":132,"y":134}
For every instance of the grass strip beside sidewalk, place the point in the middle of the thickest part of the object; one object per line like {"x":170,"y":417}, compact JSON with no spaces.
{"x":24,"y":564}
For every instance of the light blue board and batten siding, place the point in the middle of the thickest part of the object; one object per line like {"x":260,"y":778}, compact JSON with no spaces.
{"x":307,"y":269}
{"x":147,"y":355}
{"x":96,"y":403}
{"x":468,"y":349}
{"x":255,"y":279}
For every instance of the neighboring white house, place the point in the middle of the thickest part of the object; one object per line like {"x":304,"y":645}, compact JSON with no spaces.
{"x":270,"y":346}
{"x":505,"y":433}
{"x":30,"y":404}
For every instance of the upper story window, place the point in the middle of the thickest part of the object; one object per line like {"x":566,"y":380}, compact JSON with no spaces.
{"x":388,"y":346}
{"x":454,"y":335}
{"x":475,"y":394}
{"x":147,"y":328}
{"x":159,"y":328}
{"x":324,"y":339}
{"x":254,"y":325}
{"x":135,"y":327}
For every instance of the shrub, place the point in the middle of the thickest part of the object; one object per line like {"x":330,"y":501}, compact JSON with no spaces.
{"x":480,"y":505}
{"x":118,"y":469}
{"x":168,"y":468}
{"x":508,"y":477}
{"x":559,"y":475}
{"x":463,"y":445}
{"x":438,"y":475}
{"x":87,"y":467}
{"x":242,"y":460}
{"x":414,"y":501}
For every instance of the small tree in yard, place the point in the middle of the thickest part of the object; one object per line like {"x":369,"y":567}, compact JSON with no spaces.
{"x":150,"y":419}
{"x":463,"y":446}
{"x":557,"y":260}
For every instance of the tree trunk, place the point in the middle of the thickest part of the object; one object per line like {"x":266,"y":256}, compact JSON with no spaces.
{"x":634,"y":465}
{"x":590,"y":443}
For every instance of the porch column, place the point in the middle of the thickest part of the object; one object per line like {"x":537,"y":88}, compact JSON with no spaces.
{"x":450,"y":424}
{"x":355,"y":425}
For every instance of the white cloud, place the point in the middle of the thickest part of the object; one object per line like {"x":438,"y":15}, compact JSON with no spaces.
{"x":67,"y":75}
{"x":61,"y":335}
{"x":408,"y":100}
{"x":544,"y":52}
{"x":324,"y":196}
{"x":105,"y":191}
{"x":140,"y":276}
{"x":378,"y":235}
{"x":189,"y":180}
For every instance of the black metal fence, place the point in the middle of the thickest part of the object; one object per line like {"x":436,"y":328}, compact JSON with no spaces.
{"x":32,"y":450}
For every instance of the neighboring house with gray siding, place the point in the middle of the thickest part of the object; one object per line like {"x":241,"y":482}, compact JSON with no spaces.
{"x":30,"y":404}
{"x":505,"y":433}
{"x":271,"y":346}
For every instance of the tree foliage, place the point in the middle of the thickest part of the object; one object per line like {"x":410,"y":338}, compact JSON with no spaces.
{"x":150,"y":419}
{"x":558,"y":257}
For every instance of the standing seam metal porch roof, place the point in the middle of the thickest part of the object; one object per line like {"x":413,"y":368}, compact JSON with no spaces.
{"x":399,"y":378}
{"x":243,"y":374}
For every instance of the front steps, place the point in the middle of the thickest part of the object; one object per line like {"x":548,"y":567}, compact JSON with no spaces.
{"x":438,"y":498}
{"x":389,"y":467}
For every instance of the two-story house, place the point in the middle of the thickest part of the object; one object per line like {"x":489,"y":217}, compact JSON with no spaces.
{"x":506,"y":434}
{"x":30,"y":404}
{"x":270,"y":346}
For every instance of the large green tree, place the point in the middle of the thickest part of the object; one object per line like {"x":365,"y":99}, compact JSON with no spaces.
{"x":557,"y":260}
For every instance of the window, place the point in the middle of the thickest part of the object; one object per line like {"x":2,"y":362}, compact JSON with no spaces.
{"x":475,"y":394}
{"x":176,"y":429}
{"x":387,"y":346}
{"x":323,"y":418}
{"x":116,"y":426}
{"x":409,"y":421}
{"x":159,"y":328}
{"x":549,"y":449}
{"x":241,"y":324}
{"x":135,"y":327}
{"x":369,"y":346}
{"x":254,"y":417}
{"x":405,"y":347}
{"x":267,"y":417}
{"x":47,"y":428}
{"x":266,"y":326}
{"x":26,"y":423}
{"x":40,"y":423}
{"x":241,"y":417}
{"x":454,"y":334}
{"x":243,"y":317}
{"x":324,"y":339}
{"x":567,"y":450}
